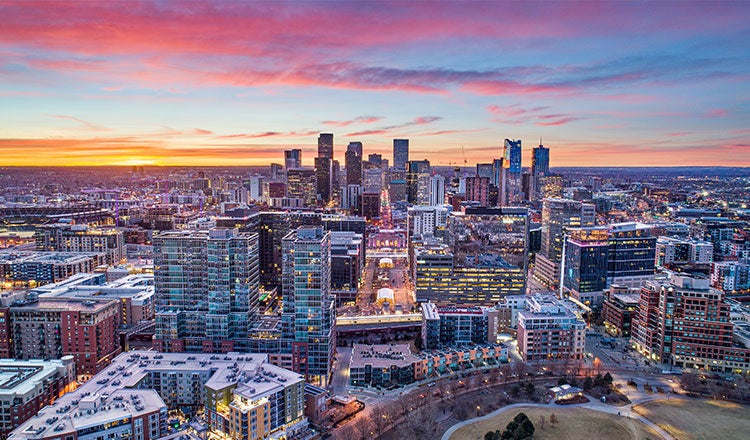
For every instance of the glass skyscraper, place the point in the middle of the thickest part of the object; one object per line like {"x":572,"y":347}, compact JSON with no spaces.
{"x":400,"y":153}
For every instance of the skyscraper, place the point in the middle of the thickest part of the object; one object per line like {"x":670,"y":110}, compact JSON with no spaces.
{"x":353,"y":163}
{"x":206,"y":288}
{"x":437,"y":190}
{"x":478,"y":190}
{"x":325,"y":145}
{"x":400,"y":153}
{"x":558,"y":215}
{"x":302,"y":185}
{"x":309,"y":315}
{"x":293,"y":158}
{"x":324,"y":167}
{"x":512,"y":161}
{"x":418,"y":181}
{"x":539,"y":169}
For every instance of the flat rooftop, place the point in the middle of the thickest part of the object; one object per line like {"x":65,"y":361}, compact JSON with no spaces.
{"x":382,"y":356}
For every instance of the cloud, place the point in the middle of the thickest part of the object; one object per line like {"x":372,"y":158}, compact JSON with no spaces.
{"x":717,"y":112}
{"x":88,"y":125}
{"x":357,"y":120}
{"x":419,"y":120}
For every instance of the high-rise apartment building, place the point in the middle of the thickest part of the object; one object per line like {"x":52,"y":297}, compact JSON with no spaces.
{"x":64,"y":237}
{"x":293,"y":158}
{"x":309,"y":313}
{"x":451,"y":326}
{"x":206,"y":287}
{"x":437,"y":190}
{"x":400,"y":153}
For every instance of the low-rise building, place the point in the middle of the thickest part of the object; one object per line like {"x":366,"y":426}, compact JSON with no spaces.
{"x":395,"y":364}
{"x":36,"y":268}
{"x":618,"y":311}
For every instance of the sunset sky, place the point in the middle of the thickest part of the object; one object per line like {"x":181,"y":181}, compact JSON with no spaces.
{"x":236,"y":83}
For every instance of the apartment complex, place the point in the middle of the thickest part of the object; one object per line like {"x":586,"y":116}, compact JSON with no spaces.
{"x":682,"y":321}
{"x":451,"y":326}
{"x":26,"y":386}
{"x":206,"y":287}
{"x":548,"y":329}
{"x":51,"y":328}
{"x":65,"y":237}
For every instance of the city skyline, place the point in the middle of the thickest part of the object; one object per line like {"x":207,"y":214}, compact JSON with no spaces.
{"x":225,"y":83}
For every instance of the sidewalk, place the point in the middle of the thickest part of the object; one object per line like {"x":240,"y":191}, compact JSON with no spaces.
{"x":594,"y":405}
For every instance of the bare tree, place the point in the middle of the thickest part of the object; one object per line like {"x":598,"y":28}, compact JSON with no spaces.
{"x":541,"y":421}
{"x":553,"y":419}
{"x":380,"y":419}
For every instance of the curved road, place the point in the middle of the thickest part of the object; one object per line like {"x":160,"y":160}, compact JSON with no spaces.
{"x":594,"y":404}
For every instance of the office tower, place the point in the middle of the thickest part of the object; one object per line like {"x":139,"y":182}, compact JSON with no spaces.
{"x":632,"y":254}
{"x":293,"y":158}
{"x":356,"y":147}
{"x":682,"y":321}
{"x":478,"y":190}
{"x":437,"y":190}
{"x":324,"y":168}
{"x":369,"y":205}
{"x":558,"y":215}
{"x":527,"y":186}
{"x":586,"y":263}
{"x":547,"y":330}
{"x":350,"y":197}
{"x":400,"y":153}
{"x":302,"y":184}
{"x":309,"y":314}
{"x":206,"y":288}
{"x":418,"y":181}
{"x":482,"y":259}
{"x":512,"y":163}
{"x":65,"y":237}
{"x":376,"y":160}
{"x":277,"y":171}
{"x":254,"y":185}
{"x":500,"y":181}
{"x":325,"y":145}
{"x":52,"y":328}
{"x":276,"y":189}
{"x":323,"y":171}
{"x":373,"y":180}
{"x":539,"y":169}
{"x":347,"y":262}
{"x":485,"y":170}
{"x":397,"y":191}
{"x":353,"y":163}
{"x":512,"y":155}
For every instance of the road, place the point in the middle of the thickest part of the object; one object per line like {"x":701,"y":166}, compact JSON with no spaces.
{"x":341,"y":370}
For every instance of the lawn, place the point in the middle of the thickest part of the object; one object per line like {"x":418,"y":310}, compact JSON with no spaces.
{"x":574,"y":423}
{"x":699,"y":419}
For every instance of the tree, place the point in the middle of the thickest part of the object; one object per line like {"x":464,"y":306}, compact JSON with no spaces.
{"x":553,"y":419}
{"x":541,"y":421}
{"x":587,"y":383}
{"x":608,"y":378}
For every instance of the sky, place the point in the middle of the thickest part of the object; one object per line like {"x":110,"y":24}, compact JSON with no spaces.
{"x":236,"y":83}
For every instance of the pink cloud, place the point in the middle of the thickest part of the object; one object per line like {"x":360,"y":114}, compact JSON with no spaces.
{"x":87,"y":124}
{"x":717,"y":112}
{"x":357,"y":120}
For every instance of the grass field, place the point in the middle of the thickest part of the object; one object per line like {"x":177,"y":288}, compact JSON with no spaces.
{"x":574,"y":424}
{"x":699,"y":419}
